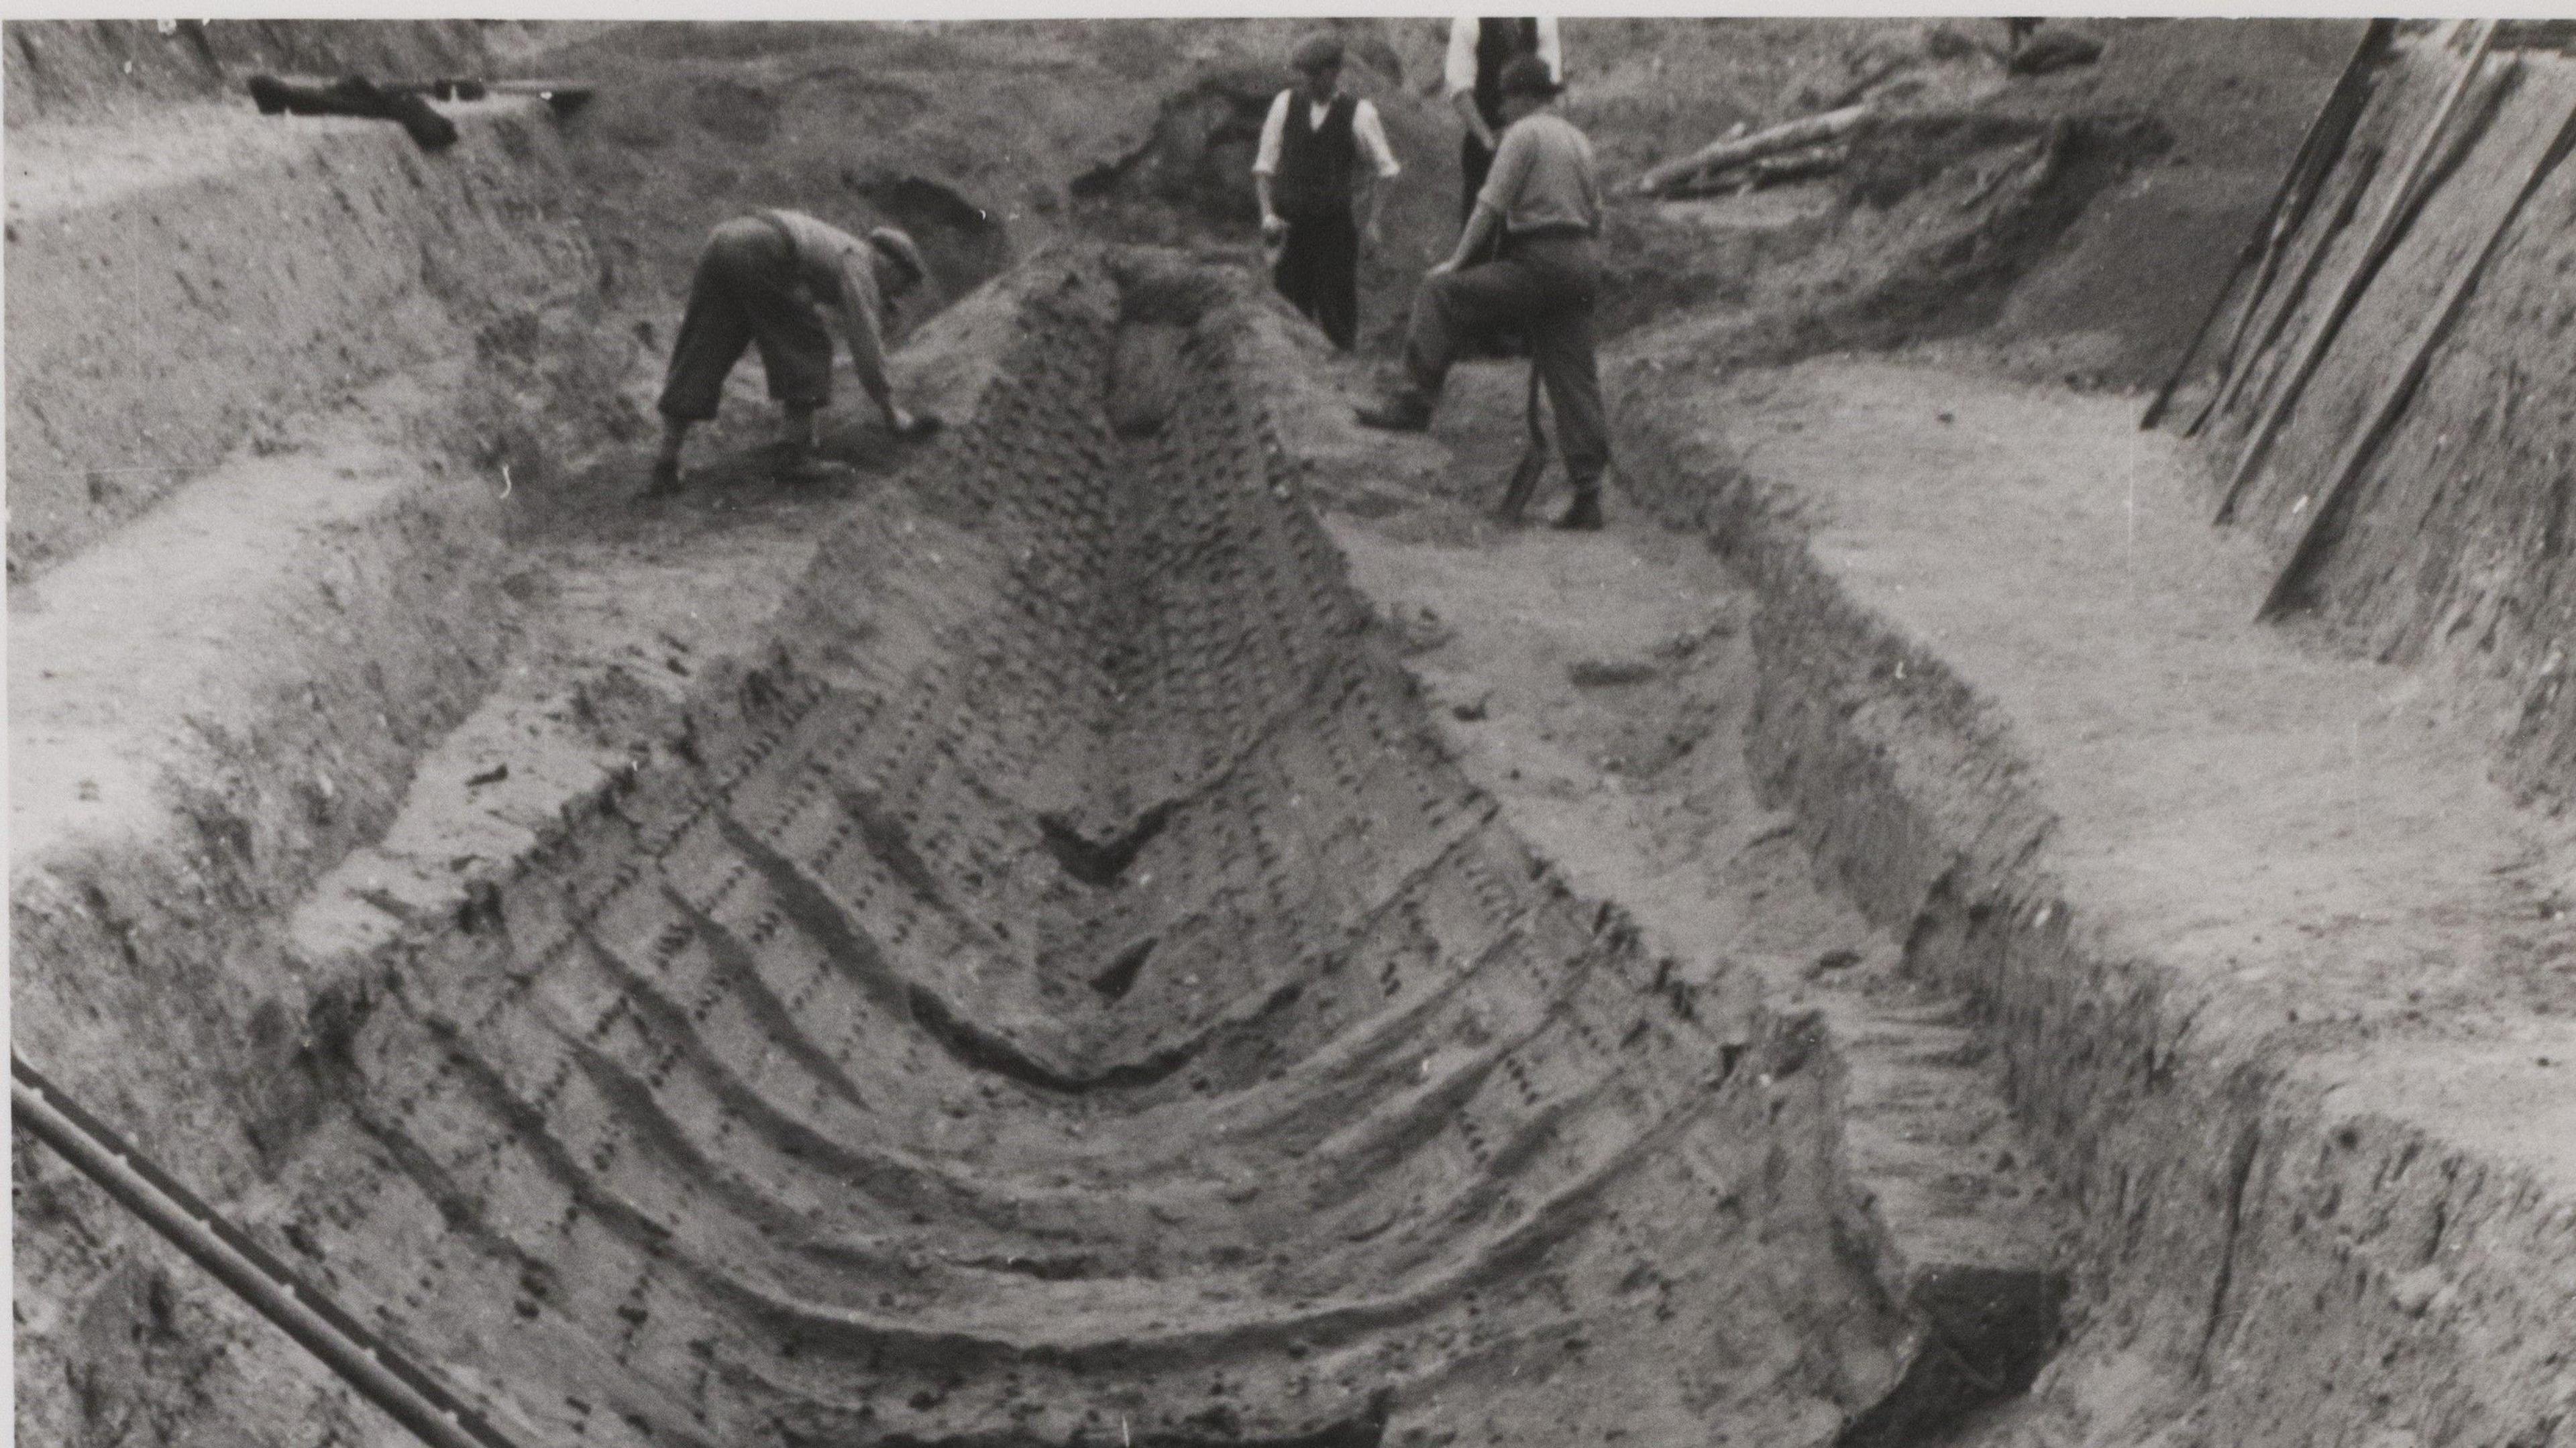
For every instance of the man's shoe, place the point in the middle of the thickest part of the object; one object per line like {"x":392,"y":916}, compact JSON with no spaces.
{"x":429,"y":130}
{"x":665,"y":480}
{"x":1396,"y":414}
{"x":1583,"y":515}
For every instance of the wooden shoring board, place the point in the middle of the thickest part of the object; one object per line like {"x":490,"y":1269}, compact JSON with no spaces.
{"x":2365,"y":170}
{"x":375,"y":1368}
{"x":2354,"y":459}
{"x":2404,"y":195}
{"x":2320,"y":149}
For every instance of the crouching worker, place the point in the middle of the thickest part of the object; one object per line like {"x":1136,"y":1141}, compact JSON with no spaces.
{"x":1544,"y":197}
{"x":767,"y":279}
{"x":1311,"y":181}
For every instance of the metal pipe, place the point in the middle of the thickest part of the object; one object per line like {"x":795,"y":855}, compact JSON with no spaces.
{"x":364,"y":1361}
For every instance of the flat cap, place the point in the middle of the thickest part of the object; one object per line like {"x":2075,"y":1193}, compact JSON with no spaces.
{"x":895,"y":243}
{"x":1316,"y":52}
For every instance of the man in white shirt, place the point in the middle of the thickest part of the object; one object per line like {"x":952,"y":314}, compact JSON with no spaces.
{"x":1478,"y":51}
{"x":767,"y":279}
{"x":1310,"y":175}
{"x":1543,"y":203}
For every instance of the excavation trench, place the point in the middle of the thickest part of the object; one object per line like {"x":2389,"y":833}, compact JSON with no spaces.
{"x":1059,"y":978}
{"x":1066,"y":992}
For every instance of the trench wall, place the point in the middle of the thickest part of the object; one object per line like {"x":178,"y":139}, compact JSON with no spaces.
{"x":178,"y":291}
{"x":88,"y":69}
{"x":382,"y":637}
{"x":258,"y":370}
{"x":2451,"y":545}
{"x":2251,"y":1269}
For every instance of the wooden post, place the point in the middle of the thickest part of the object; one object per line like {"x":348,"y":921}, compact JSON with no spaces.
{"x":1805,"y":131}
{"x":2357,"y":453}
{"x":2383,"y":238}
{"x":2318,"y":152}
{"x":2240,"y":369}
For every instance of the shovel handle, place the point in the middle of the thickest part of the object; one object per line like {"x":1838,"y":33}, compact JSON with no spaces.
{"x":1533,"y":462}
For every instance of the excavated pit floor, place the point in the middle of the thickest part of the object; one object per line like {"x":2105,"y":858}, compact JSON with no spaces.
{"x":1064,"y":989}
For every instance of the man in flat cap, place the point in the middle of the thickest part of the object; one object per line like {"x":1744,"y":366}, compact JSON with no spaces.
{"x":1323,"y":154}
{"x":1544,"y":197}
{"x":766,"y":280}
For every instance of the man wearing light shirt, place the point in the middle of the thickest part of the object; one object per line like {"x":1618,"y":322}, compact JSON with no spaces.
{"x":1311,"y":181}
{"x":768,"y":279}
{"x":1543,"y":202}
{"x":1478,"y":51}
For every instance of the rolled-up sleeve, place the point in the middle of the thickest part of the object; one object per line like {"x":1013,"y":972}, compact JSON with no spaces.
{"x":1265,"y":161}
{"x":1458,"y":73}
{"x":859,"y":326}
{"x":1371,"y":133}
{"x":1512,"y":161}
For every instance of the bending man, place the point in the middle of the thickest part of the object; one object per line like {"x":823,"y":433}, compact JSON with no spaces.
{"x":1544,"y":198}
{"x":766,"y":280}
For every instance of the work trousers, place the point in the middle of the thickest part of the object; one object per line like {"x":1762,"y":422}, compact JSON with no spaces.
{"x":746,"y":292}
{"x":1545,"y":288}
{"x":1475,"y":163}
{"x":1319,"y":272}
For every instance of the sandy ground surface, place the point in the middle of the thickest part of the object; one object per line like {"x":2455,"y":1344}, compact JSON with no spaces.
{"x":1573,"y":673}
{"x":2311,"y":837}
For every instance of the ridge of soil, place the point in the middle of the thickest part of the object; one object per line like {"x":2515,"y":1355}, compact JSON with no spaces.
{"x":2242,"y":986}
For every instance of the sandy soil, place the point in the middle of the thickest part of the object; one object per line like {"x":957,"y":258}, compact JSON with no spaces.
{"x":2309,"y":946}
{"x":2239,"y":787}
{"x":1572,"y":673}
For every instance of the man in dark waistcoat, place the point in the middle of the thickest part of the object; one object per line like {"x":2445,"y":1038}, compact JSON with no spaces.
{"x":1473,"y":74}
{"x":1323,"y":153}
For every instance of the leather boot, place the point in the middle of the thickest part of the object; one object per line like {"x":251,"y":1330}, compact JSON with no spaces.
{"x":354,"y":96}
{"x":1583,"y":515}
{"x":1400,"y":413}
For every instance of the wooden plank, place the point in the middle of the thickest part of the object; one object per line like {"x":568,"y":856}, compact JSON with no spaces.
{"x":1805,"y":131}
{"x":2365,"y":442}
{"x":2320,"y":150}
{"x":2383,"y":236}
{"x":2241,"y":370}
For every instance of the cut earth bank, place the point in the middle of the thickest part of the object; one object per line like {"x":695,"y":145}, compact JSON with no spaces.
{"x":628,"y":671}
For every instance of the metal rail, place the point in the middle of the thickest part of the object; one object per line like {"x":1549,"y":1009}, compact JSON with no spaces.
{"x":382,"y":1374}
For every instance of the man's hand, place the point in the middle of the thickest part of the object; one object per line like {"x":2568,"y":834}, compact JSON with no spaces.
{"x":1273,"y":226}
{"x":1372,"y":240}
{"x":910,"y":424}
{"x":1444,"y":268}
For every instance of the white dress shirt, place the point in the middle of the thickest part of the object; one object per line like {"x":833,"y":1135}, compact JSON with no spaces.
{"x":1366,"y":129}
{"x":1460,"y":72}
